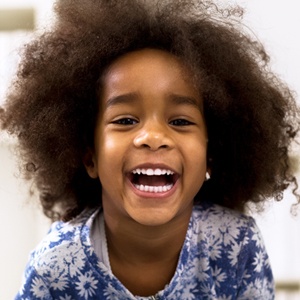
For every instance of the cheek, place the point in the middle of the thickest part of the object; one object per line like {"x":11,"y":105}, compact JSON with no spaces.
{"x":105,"y":141}
{"x":108,"y":145}
{"x":195,"y":157}
{"x":195,"y":149}
{"x":111,"y":152}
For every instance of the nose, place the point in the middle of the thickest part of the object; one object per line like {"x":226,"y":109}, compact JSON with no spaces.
{"x":153,"y":136}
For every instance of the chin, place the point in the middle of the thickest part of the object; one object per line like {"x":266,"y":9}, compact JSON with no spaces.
{"x":153,"y":218}
{"x":152,"y":222}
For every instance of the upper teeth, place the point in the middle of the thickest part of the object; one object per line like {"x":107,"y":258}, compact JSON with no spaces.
{"x":151,"y":172}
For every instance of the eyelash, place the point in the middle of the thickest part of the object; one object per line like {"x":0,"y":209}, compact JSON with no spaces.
{"x":125,"y":121}
{"x":130,"y":121}
{"x":181,"y":122}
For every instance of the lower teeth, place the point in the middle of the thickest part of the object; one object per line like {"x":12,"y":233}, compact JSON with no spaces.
{"x":153,"y":189}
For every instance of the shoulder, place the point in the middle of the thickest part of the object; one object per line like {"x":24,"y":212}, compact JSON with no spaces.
{"x":232,"y":245}
{"x":63,"y":262}
{"x":228,"y":234}
{"x":64,"y":239}
{"x":219,"y":216}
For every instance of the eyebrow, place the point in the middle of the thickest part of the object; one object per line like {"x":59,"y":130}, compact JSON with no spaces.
{"x":185,"y":100}
{"x":133,"y":97}
{"x":121,"y":99}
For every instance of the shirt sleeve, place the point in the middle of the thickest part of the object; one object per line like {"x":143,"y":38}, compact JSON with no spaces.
{"x":254,"y":272}
{"x":33,"y":286}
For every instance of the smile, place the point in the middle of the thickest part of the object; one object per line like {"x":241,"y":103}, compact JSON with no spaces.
{"x":153,"y":180}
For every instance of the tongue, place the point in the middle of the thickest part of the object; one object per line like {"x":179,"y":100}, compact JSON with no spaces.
{"x":152,"y":180}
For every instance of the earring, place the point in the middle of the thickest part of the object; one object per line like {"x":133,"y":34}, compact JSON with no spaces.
{"x":207,"y":176}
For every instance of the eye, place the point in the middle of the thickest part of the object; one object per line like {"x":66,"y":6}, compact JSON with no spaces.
{"x":181,"y":122}
{"x":125,"y":121}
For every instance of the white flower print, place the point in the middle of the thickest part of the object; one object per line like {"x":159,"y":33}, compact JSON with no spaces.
{"x":254,"y":288}
{"x":218,"y":276}
{"x":73,"y":259}
{"x":233,"y":254}
{"x":245,"y":277}
{"x":104,"y":268}
{"x":215,"y":248}
{"x":224,"y":223}
{"x":53,"y":237}
{"x":65,"y":297}
{"x":245,"y":241}
{"x":258,"y":261}
{"x":224,"y":297}
{"x":189,"y":291}
{"x":111,"y":293}
{"x":87,"y":285}
{"x":257,"y":237}
{"x":69,"y":258}
{"x":267,"y":262}
{"x":219,"y":242}
{"x":39,"y":288}
{"x":208,"y":292}
{"x":230,"y":232}
{"x":60,"y":282}
{"x":201,"y":267}
{"x":67,"y":228}
{"x":188,"y":243}
{"x":86,"y":243}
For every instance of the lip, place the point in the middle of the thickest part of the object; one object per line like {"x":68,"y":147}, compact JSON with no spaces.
{"x":152,"y":195}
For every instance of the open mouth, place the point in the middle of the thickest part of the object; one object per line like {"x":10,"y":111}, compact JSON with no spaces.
{"x":153,"y":180}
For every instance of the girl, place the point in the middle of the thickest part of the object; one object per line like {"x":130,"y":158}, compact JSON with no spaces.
{"x":148,"y":127}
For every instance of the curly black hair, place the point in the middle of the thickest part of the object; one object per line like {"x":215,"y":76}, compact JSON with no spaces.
{"x":251,"y":115}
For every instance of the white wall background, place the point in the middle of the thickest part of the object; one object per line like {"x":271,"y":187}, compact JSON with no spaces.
{"x":277,"y":24}
{"x":22,"y":225}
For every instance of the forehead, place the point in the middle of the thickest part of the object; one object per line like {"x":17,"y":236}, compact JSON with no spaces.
{"x":148,"y":68}
{"x":146,"y":56}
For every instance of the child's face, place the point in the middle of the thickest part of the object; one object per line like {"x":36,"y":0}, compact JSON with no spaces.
{"x":150,"y":120}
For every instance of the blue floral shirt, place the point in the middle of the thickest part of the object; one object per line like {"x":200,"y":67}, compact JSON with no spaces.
{"x":223,"y":257}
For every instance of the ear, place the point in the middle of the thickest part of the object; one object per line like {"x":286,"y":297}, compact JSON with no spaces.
{"x":90,"y":163}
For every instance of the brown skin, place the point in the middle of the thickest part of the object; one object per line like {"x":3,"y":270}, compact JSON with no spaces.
{"x":144,"y":258}
{"x":52,"y":107}
{"x":164,"y":126}
{"x":163,"y":129}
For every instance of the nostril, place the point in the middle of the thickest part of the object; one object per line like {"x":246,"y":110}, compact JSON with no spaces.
{"x":154,"y":147}
{"x":145,"y":146}
{"x":152,"y":140}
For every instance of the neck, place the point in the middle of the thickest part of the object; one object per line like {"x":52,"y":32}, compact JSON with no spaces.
{"x":140,"y":242}
{"x":144,"y":258}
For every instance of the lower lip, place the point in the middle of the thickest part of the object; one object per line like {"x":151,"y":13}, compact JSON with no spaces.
{"x":153,"y":195}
